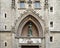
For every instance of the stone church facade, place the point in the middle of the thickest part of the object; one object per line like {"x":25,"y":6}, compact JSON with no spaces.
{"x":29,"y":24}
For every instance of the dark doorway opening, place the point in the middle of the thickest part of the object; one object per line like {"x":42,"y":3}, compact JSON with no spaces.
{"x":29,"y":46}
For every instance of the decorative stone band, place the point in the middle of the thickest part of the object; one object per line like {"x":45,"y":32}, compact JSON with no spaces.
{"x":29,"y":40}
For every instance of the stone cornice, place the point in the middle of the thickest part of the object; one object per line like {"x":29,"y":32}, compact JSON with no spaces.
{"x":55,"y":31}
{"x":5,"y":31}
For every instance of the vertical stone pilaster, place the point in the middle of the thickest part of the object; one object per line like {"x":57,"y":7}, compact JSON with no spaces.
{"x":0,"y":7}
{"x":43,"y":43}
{"x":0,"y":40}
{"x":17,"y":43}
{"x":19,"y":46}
{"x":14,"y":41}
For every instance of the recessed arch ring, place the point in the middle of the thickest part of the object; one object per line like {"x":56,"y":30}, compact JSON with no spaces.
{"x":23,"y":22}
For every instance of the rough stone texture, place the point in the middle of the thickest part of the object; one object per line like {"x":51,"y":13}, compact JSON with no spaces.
{"x":55,"y":15}
{"x":14,"y":14}
{"x":56,"y":40}
{"x":6,"y":37}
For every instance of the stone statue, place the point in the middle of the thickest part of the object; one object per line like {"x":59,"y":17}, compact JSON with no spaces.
{"x":30,"y":29}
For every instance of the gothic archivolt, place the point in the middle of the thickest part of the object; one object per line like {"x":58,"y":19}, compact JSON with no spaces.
{"x":29,"y":15}
{"x":27,"y":19}
{"x":29,"y":29}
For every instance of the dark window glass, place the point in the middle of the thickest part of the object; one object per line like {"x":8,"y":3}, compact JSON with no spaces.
{"x":5,"y":15}
{"x":51,"y":38}
{"x":22,"y":4}
{"x":5,"y":26}
{"x":5,"y":43}
{"x":51,"y":9}
{"x":37,"y":4}
{"x":51,"y":24}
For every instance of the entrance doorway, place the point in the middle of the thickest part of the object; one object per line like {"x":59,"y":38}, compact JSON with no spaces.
{"x":29,"y":46}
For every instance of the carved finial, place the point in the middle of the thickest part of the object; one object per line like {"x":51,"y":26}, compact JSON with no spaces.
{"x":46,"y":4}
{"x":29,"y":3}
{"x":13,"y":4}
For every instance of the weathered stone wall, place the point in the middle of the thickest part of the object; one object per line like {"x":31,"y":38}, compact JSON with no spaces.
{"x":55,"y":40}
{"x":5,"y":37}
{"x":13,"y":14}
{"x":5,"y":8}
{"x":55,"y":15}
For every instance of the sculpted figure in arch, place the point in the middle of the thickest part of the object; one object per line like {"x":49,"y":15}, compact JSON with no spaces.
{"x":30,"y":30}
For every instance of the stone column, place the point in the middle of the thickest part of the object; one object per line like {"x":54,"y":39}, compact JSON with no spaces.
{"x":15,"y":42}
{"x":20,"y":46}
{"x":0,"y":7}
{"x":0,"y":40}
{"x":43,"y":43}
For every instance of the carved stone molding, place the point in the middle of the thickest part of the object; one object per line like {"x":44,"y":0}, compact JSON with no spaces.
{"x":26,"y":14}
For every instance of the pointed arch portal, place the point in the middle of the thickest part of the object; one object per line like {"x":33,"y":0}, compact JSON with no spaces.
{"x":30,"y":31}
{"x":22,"y":21}
{"x":28,"y":25}
{"x":24,"y":28}
{"x":36,"y":27}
